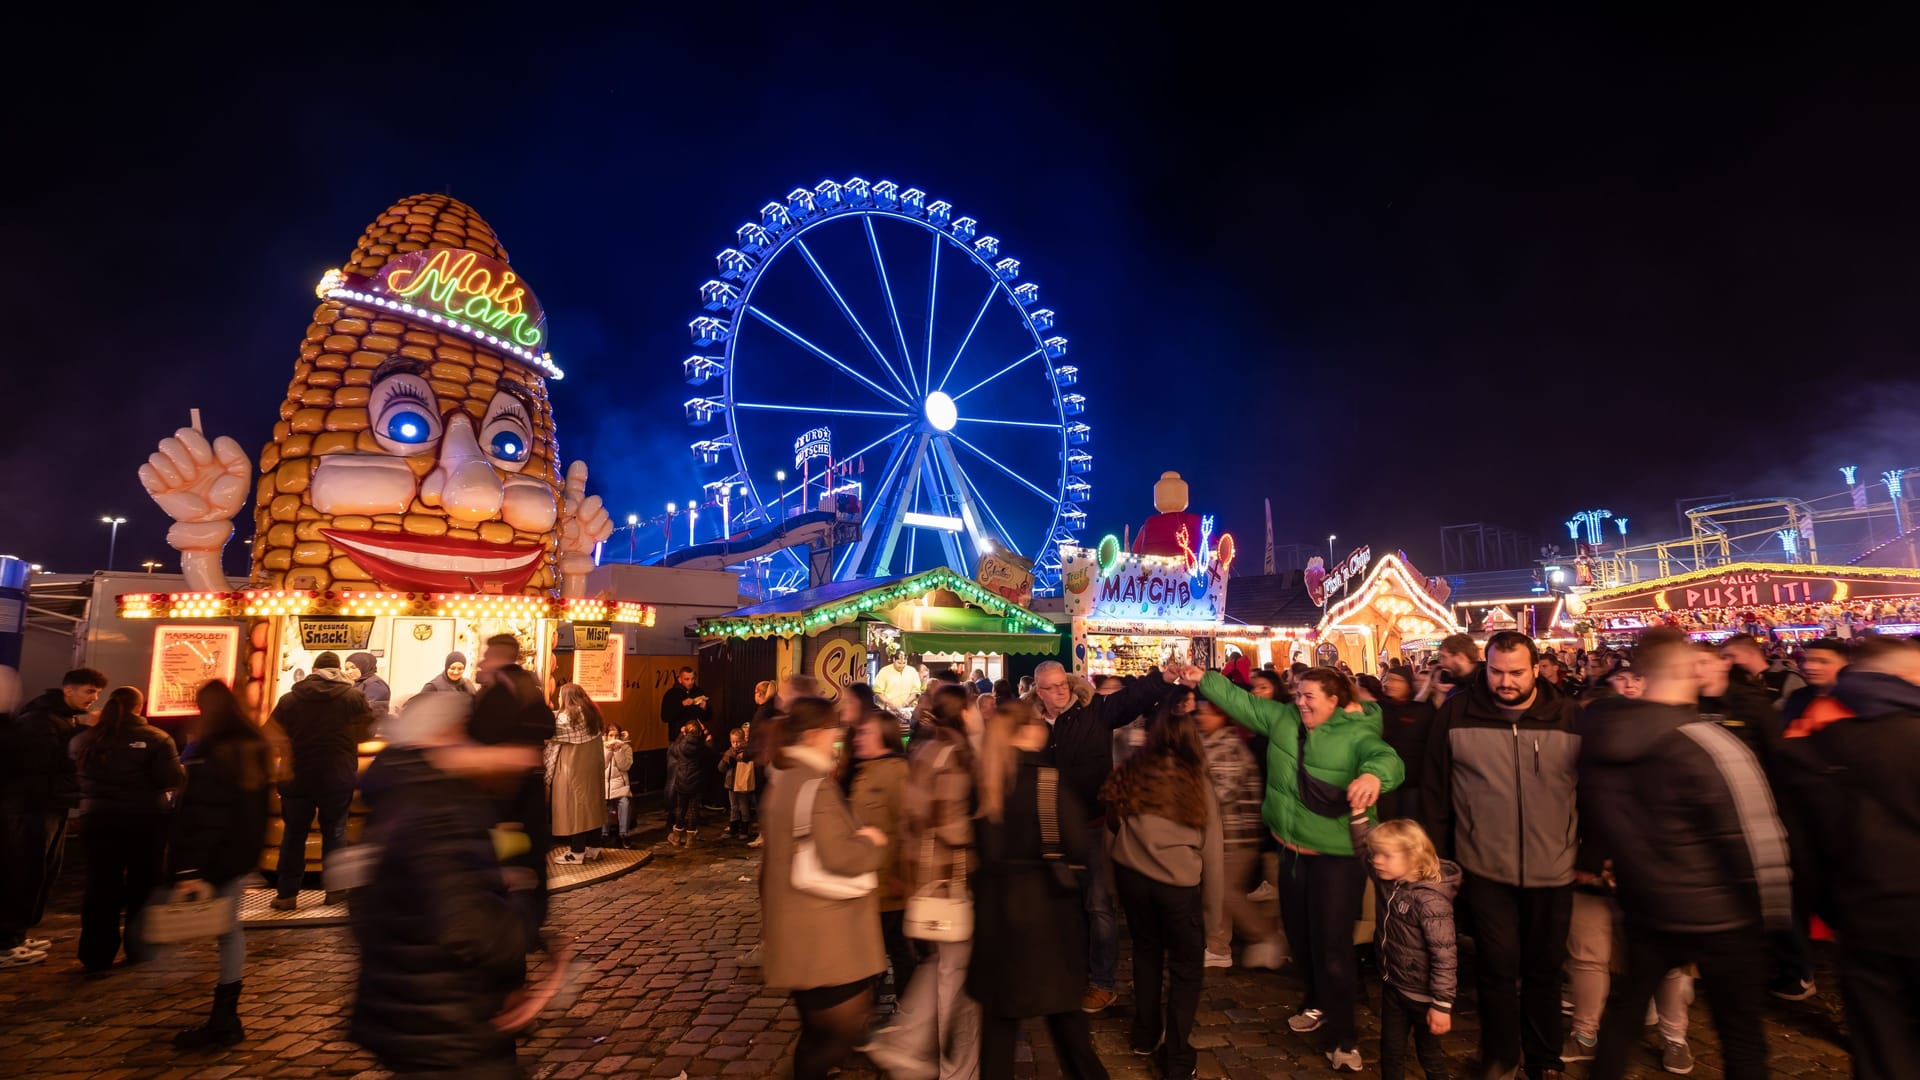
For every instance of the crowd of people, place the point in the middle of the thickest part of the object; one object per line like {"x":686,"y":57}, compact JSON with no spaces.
{"x":1588,"y":836}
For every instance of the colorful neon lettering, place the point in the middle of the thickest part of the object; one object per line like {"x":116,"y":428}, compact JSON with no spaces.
{"x":466,"y":291}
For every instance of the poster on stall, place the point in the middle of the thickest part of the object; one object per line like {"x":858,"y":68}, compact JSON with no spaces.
{"x":840,"y":664}
{"x":600,"y":671}
{"x":185,"y":658}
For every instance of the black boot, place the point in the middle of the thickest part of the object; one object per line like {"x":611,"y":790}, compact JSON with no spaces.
{"x":223,"y":1024}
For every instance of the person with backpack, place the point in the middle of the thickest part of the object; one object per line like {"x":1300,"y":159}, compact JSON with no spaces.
{"x":129,"y":770}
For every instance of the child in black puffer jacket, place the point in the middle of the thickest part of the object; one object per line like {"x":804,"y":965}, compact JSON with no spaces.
{"x":688,"y":765}
{"x":1419,"y":956}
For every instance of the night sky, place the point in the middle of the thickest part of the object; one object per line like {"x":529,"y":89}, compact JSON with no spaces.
{"x":1394,"y":273}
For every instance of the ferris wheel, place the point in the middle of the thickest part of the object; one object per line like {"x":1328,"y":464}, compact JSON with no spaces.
{"x":873,"y":349}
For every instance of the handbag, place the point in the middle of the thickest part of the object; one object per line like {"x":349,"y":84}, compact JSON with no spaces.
{"x":1065,"y":874}
{"x":940,"y":910}
{"x":806,"y":874}
{"x":187,"y":920}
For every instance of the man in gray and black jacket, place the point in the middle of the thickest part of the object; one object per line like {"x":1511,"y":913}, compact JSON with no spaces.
{"x":1498,"y":791}
{"x":1683,"y":809}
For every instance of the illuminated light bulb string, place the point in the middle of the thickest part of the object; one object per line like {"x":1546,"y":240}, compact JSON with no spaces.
{"x":812,"y":622}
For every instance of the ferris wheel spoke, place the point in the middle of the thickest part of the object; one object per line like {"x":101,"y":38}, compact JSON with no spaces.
{"x":821,"y":273}
{"x":1006,"y":536}
{"x":992,"y":290}
{"x":995,"y":462}
{"x":1007,"y":423}
{"x":824,"y":355}
{"x":995,"y":375}
{"x":817,"y":409}
{"x":893,"y":310}
{"x":933,"y":293}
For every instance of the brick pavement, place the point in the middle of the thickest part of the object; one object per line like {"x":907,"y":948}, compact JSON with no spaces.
{"x":664,"y":987}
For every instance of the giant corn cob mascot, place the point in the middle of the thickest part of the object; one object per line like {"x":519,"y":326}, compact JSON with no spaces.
{"x":415,"y":449}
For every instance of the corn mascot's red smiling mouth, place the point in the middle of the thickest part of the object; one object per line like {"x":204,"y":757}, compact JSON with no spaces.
{"x":439,"y":564}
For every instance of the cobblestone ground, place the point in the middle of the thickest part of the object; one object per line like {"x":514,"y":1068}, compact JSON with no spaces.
{"x":665,"y":987}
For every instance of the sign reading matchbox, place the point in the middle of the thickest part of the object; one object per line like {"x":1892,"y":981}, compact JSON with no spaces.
{"x":1143,"y":588}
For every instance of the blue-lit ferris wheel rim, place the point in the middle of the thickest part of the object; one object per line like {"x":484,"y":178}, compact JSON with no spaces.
{"x":1002,"y":286}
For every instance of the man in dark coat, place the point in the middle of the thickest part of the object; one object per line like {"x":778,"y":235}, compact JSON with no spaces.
{"x":38,"y":785}
{"x":1684,"y":811}
{"x":509,"y":711}
{"x":325,"y":719}
{"x":1853,"y":783}
{"x":1081,"y":747}
{"x":1498,"y":791}
{"x":442,"y":946}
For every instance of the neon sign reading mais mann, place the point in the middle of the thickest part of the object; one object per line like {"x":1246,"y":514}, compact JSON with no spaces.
{"x":467,"y":286}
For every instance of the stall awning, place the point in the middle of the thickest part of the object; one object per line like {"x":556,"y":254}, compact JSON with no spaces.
{"x":842,"y":602}
{"x":958,"y":641}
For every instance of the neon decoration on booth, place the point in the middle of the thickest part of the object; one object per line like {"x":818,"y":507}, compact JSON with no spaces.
{"x":1106,"y":583}
{"x":465,"y":290}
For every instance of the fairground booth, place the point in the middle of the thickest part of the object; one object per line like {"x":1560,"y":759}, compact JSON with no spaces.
{"x":1160,"y":600}
{"x":1541,"y":617}
{"x":1784,"y":601}
{"x":843,"y":631}
{"x":1392,"y":613}
{"x":411,"y":504}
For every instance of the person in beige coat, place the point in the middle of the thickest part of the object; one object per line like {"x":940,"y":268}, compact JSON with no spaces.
{"x":576,"y":775}
{"x":825,"y":952}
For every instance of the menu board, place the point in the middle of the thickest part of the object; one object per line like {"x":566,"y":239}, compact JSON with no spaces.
{"x":599,"y":671}
{"x":185,"y":658}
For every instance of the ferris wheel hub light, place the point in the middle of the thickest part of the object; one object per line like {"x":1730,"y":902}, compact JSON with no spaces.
{"x":941,"y":411}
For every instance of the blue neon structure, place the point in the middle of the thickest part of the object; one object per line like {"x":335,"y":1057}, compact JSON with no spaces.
{"x":953,"y":447}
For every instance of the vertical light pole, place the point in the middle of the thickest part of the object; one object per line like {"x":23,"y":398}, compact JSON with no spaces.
{"x":668,"y":530}
{"x":150,"y":566}
{"x":1330,"y":539}
{"x":633,"y":533}
{"x":693,"y":520}
{"x":780,"y":478}
{"x":113,"y":538}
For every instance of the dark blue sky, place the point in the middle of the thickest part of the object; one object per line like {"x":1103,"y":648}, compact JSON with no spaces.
{"x":1394,"y":272}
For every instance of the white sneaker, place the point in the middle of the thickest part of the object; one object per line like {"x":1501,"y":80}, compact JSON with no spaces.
{"x":1307,"y":1020}
{"x":1264,"y":956}
{"x":591,"y":854}
{"x":1265,"y":892}
{"x":1345,"y":1060}
{"x":38,"y":944}
{"x":21,"y":956}
{"x":1219,"y":960}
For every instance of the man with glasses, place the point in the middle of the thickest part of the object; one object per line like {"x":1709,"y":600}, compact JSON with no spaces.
{"x":1081,"y":748}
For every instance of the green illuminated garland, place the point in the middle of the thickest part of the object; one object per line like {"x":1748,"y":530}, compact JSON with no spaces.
{"x":820,"y":618}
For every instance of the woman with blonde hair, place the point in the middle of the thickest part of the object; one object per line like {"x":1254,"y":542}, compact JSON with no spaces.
{"x":576,"y":760}
{"x":824,"y":951}
{"x":1030,"y":930}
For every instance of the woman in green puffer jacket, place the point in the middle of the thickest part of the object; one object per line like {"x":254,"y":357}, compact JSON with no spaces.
{"x":1347,"y":766}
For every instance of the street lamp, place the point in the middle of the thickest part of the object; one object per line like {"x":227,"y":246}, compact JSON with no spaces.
{"x":113,"y":538}
{"x":668,"y":530}
{"x":780,"y":477}
{"x":633,"y":527}
{"x":693,"y":519}
{"x":1330,"y":539}
{"x":150,"y":566}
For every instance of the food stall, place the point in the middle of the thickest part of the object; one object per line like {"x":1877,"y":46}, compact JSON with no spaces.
{"x":1390,"y":611}
{"x":1541,"y":617}
{"x":411,"y":503}
{"x":1784,"y":601}
{"x":1129,"y":612}
{"x":843,"y":631}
